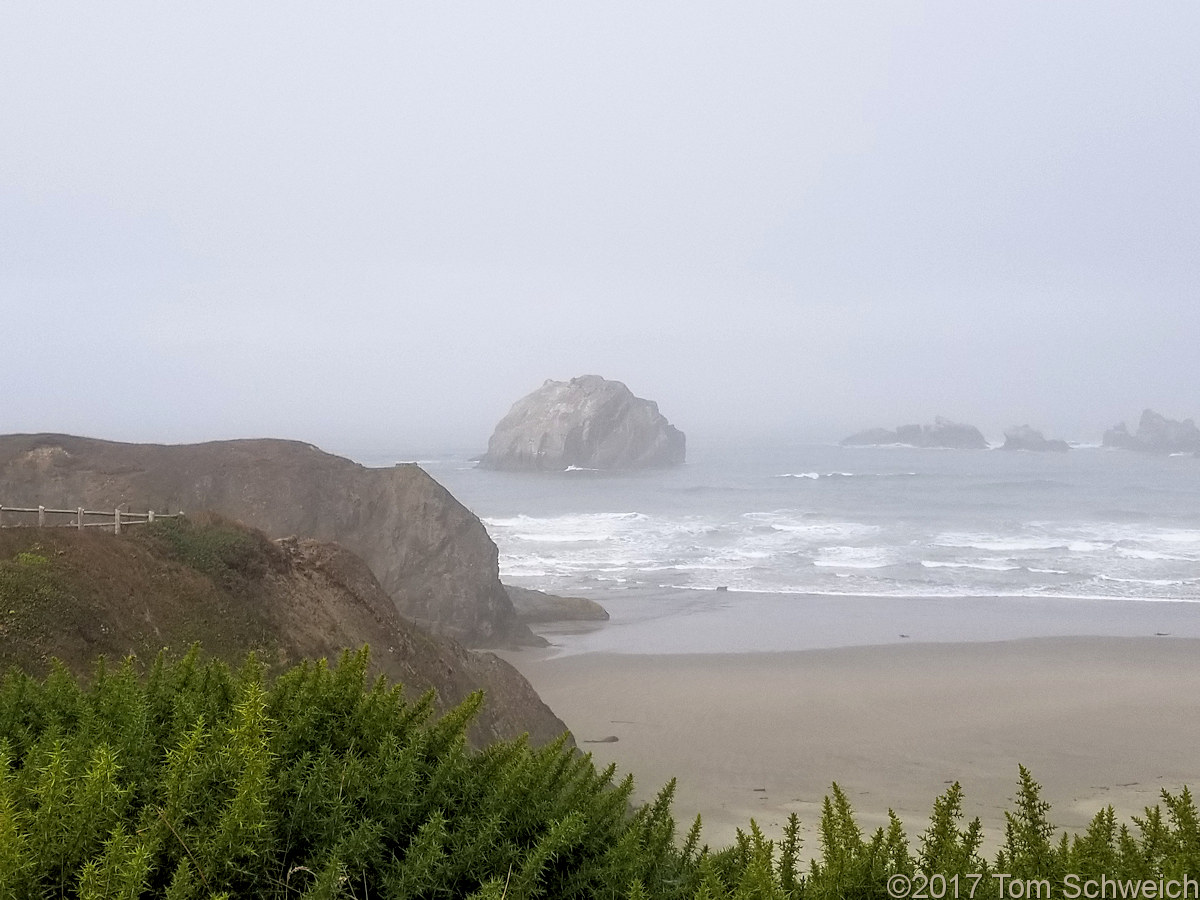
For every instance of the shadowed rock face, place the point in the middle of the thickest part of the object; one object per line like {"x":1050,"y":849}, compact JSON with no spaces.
{"x":1156,"y":434}
{"x":539,"y":607}
{"x":587,"y":422}
{"x":1022,"y":437}
{"x":942,"y":434}
{"x":431,"y":554}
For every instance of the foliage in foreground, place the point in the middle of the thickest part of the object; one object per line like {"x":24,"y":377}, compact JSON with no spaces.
{"x":198,"y":781}
{"x":201,"y":782}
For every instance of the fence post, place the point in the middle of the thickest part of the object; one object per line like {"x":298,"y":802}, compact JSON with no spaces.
{"x":117,"y":520}
{"x":149,"y":517}
{"x":41,"y":516}
{"x":1,"y":515}
{"x":79,"y":518}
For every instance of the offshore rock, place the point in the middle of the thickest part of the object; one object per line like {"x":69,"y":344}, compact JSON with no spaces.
{"x":538,"y":607}
{"x":872,"y":437}
{"x":585,"y":423}
{"x":942,"y":434}
{"x":430,"y":553}
{"x":1156,"y":434}
{"x":1022,"y":437}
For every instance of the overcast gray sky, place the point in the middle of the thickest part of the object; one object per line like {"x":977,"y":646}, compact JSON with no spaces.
{"x":379,"y":224}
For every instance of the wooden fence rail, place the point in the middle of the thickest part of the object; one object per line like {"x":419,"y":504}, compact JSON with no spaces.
{"x":111,"y":519}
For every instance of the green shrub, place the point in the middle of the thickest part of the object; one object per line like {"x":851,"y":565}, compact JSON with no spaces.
{"x":198,"y":781}
{"x":222,"y":550}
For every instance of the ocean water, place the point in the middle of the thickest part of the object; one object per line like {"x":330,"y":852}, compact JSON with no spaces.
{"x":850,"y":522}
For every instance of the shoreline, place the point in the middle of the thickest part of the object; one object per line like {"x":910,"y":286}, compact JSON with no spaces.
{"x":675,"y":620}
{"x":1097,"y":720}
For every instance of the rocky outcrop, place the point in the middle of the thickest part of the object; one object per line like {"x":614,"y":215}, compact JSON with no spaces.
{"x":233,"y":591}
{"x":942,"y":434}
{"x":431,"y":554}
{"x":1023,"y":437}
{"x":1119,"y":438}
{"x":585,"y":423}
{"x":1156,"y":434}
{"x":539,"y":607}
{"x":872,"y":437}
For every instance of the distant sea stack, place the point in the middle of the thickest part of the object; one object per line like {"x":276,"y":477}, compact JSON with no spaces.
{"x":430,"y":553}
{"x":942,"y":434}
{"x":585,"y":423}
{"x":1156,"y":434}
{"x":1022,"y":437}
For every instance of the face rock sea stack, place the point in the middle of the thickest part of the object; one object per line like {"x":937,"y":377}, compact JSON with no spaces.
{"x":588,"y":422}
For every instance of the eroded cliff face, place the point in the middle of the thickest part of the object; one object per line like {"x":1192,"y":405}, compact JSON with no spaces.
{"x":148,"y":591}
{"x":348,"y":602}
{"x":589,"y":423}
{"x":431,"y":554}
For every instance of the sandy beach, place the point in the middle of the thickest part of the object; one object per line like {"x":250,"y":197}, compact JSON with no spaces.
{"x":1098,"y":720}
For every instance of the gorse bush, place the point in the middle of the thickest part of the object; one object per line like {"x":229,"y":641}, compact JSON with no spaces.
{"x":198,"y":781}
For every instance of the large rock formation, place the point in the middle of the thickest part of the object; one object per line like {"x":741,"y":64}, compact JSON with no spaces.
{"x":1156,"y":434}
{"x":430,"y":553}
{"x":1022,"y":437}
{"x":586,"y":423}
{"x":538,"y":607}
{"x":942,"y":434}
{"x":229,"y":588}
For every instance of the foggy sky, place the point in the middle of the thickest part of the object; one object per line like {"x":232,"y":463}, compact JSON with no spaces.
{"x":378,"y":225}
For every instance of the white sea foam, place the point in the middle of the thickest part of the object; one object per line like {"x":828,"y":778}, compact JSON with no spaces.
{"x":981,"y":566}
{"x":567,"y":520}
{"x":1152,"y":555}
{"x":855,"y":558}
{"x":999,"y":543}
{"x":794,"y":522}
{"x":1015,"y":545}
{"x":748,"y":553}
{"x":553,"y":538}
{"x":1088,"y":546}
{"x":972,"y":538}
{"x":1156,"y":582}
{"x":583,"y":528}
{"x":839,"y":474}
{"x":1179,"y":537}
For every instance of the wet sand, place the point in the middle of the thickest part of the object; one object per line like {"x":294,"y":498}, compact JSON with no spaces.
{"x":1098,"y":720}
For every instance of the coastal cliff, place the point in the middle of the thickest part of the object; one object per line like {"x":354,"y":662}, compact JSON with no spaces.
{"x":431,"y":555}
{"x":586,"y":423}
{"x":73,"y":596}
